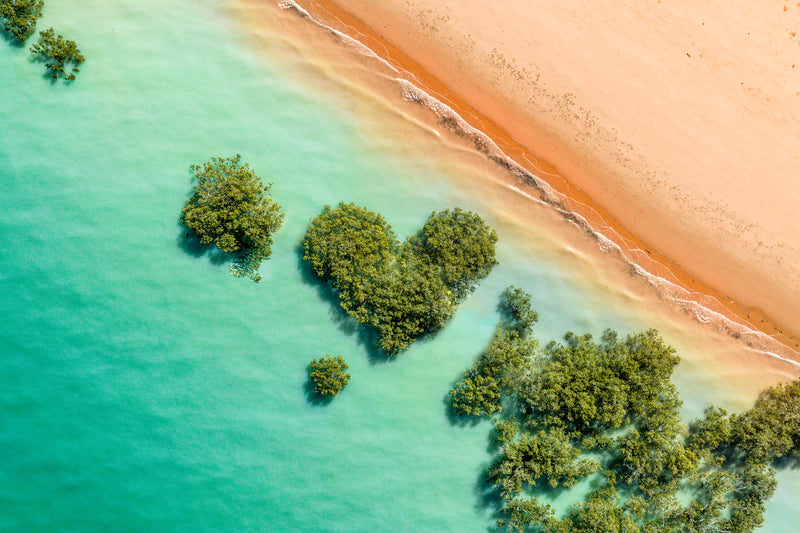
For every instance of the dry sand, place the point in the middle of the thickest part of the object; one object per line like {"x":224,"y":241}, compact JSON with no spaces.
{"x":672,"y":127}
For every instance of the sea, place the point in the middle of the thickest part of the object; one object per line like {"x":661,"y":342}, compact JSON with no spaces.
{"x":144,"y":388}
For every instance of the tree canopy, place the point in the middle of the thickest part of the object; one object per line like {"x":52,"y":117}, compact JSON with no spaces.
{"x":593,"y":387}
{"x":461,"y":245}
{"x":57,"y":54}
{"x":516,"y":311}
{"x":403,"y":290}
{"x":329,"y":374}
{"x":771,"y":429}
{"x":504,"y":365}
{"x":349,"y":246}
{"x":231,"y":208}
{"x":546,"y":456}
{"x":608,"y":411}
{"x":20,"y":16}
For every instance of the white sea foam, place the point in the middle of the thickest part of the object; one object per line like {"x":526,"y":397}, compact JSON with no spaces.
{"x":349,"y":41}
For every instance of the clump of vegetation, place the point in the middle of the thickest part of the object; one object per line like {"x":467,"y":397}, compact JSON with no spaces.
{"x":20,"y":16}
{"x":349,"y":246}
{"x":57,"y":54}
{"x":460,"y":245}
{"x":329,"y":375}
{"x":609,"y":410}
{"x":547,"y":456}
{"x":506,"y":362}
{"x":517,"y":311}
{"x":771,"y":429}
{"x":231,"y":208}
{"x":402,"y":290}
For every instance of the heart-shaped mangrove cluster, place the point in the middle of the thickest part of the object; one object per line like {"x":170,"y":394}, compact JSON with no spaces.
{"x":403,"y":290}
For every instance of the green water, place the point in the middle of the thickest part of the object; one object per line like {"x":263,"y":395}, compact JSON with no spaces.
{"x":146,"y":389}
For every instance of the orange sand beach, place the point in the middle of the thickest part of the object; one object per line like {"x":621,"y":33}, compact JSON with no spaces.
{"x":671,"y":129}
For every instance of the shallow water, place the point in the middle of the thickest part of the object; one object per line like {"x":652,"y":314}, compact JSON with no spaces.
{"x":144,"y":388}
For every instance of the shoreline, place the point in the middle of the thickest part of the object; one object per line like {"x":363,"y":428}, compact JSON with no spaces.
{"x":690,"y":294}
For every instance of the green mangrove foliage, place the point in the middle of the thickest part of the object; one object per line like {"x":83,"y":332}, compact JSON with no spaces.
{"x":57,"y":54}
{"x":329,"y":375}
{"x":20,"y":16}
{"x":546,"y":456}
{"x":608,"y":411}
{"x":589,"y":388}
{"x":771,"y":429}
{"x":600,"y":512}
{"x":517,"y":312}
{"x":349,"y":247}
{"x":402,"y":290}
{"x":461,"y":247}
{"x":230,"y":207}
{"x":505,"y":363}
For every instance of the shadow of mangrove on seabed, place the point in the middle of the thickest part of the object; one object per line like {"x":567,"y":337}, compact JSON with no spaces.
{"x":487,"y":497}
{"x":366,"y":335}
{"x":12,"y":41}
{"x":791,"y":461}
{"x":191,"y":245}
{"x":312,"y":396}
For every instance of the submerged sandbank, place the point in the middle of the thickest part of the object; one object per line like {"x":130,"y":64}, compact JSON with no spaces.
{"x":667,"y":128}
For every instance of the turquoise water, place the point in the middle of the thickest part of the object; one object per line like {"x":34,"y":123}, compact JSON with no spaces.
{"x":143,"y":387}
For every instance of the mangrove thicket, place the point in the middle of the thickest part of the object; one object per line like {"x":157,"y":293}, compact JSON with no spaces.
{"x":402,"y":290}
{"x":607,"y":412}
{"x":329,"y":375}
{"x":20,"y":16}
{"x":231,"y":208}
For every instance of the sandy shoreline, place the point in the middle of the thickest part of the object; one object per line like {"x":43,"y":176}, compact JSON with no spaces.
{"x":687,"y":171}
